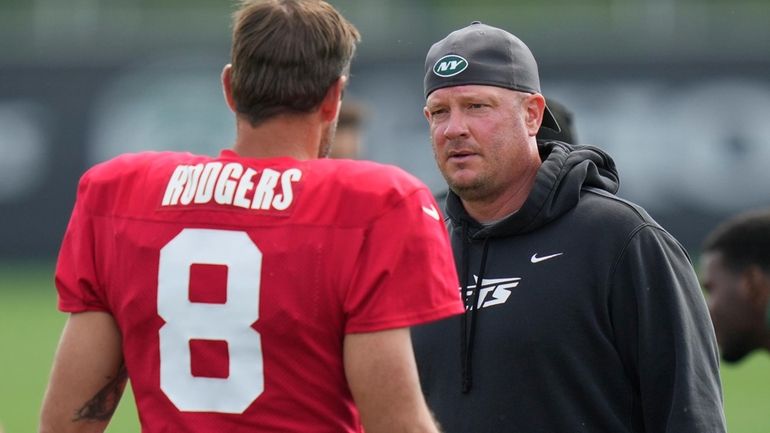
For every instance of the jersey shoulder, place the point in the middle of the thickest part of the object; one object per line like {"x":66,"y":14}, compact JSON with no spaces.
{"x":364,"y":187}
{"x":128,"y":164}
{"x":121,"y":179}
{"x":356,"y":177}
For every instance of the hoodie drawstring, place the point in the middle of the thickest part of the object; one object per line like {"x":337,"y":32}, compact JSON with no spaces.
{"x":468,"y":334}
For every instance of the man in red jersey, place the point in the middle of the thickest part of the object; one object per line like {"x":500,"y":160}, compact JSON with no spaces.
{"x":264,"y":290}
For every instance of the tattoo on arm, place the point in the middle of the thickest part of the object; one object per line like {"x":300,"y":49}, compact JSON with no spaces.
{"x":103,"y":404}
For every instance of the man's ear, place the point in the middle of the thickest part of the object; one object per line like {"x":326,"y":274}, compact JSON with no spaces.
{"x":757,"y":284}
{"x":534,"y":106}
{"x":330,"y":105}
{"x":227,"y":87}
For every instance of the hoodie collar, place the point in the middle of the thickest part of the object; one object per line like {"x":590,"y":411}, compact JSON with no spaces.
{"x":566,"y":169}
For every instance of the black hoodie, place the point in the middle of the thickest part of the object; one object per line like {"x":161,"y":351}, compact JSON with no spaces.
{"x":591,"y":317}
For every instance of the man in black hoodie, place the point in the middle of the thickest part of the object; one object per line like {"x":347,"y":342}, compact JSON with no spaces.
{"x":582,"y":313}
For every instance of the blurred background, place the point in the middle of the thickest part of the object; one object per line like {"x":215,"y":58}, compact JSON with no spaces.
{"x":678,"y":92}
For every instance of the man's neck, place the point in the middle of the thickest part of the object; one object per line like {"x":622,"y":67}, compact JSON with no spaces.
{"x":295,"y":136}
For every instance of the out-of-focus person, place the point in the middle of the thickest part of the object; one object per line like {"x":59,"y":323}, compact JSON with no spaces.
{"x":348,"y":140}
{"x":567,"y":132}
{"x":735,"y":272}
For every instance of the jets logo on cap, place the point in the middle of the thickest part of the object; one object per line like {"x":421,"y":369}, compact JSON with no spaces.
{"x":449,"y":66}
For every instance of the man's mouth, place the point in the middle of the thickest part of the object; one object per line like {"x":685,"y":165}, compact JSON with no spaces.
{"x":460,"y":155}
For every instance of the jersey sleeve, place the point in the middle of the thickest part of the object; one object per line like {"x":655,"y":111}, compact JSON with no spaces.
{"x":76,"y":275}
{"x":405,"y":273}
{"x":665,"y":336}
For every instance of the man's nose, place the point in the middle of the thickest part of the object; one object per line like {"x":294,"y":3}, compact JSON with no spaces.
{"x":456,"y":126}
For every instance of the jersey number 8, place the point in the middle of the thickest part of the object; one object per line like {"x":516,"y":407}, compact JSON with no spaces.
{"x":231,"y":321}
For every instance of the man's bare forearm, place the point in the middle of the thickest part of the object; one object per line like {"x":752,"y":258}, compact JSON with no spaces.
{"x":103,"y":404}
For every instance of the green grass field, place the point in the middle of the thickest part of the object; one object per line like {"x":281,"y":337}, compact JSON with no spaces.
{"x":29,"y":331}
{"x":30,"y":326}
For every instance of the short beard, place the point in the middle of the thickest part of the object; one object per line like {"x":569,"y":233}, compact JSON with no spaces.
{"x":477,"y":191}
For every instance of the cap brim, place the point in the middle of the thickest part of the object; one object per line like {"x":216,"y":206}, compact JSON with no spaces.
{"x":549,"y":120}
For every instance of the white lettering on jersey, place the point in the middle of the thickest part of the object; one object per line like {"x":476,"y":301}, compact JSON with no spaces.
{"x":175,"y":185}
{"x":231,"y":184}
{"x":223,"y":192}
{"x":264,"y":193}
{"x":244,"y":186}
{"x":207,"y":182}
{"x":282,"y":201}
{"x":192,"y":184}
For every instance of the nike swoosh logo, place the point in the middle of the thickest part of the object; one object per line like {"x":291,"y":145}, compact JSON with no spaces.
{"x":536,"y":259}
{"x":431,"y":212}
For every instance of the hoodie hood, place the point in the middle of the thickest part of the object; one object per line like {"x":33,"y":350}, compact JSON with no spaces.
{"x":565,"y":171}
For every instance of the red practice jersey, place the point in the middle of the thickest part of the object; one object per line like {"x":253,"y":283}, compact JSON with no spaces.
{"x":234,"y":281}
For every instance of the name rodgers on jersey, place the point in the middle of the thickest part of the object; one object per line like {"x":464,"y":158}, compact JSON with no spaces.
{"x":231,"y":184}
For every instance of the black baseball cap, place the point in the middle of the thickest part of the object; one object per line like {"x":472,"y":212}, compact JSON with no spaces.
{"x":485,"y":55}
